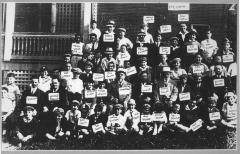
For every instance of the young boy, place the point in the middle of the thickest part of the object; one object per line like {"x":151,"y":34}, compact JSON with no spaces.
{"x":159,"y":118}
{"x":132,"y":117}
{"x":83,"y":121}
{"x":26,"y":126}
{"x":229,"y":110}
{"x":122,"y":56}
{"x":115,"y":123}
{"x":66,"y":73}
{"x":146,"y":123}
{"x":109,"y":58}
{"x":72,"y":116}
{"x":89,"y":97}
{"x":77,"y":50}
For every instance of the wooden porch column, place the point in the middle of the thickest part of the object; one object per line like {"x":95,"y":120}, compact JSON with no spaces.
{"x":9,"y":29}
{"x":85,"y":20}
{"x":53,"y":17}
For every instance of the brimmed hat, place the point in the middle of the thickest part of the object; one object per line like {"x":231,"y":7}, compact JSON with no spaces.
{"x":67,"y":55}
{"x":109,"y":50}
{"x":10,"y":74}
{"x":131,"y":102}
{"x":118,"y":106}
{"x":121,"y":70}
{"x":122,"y":30}
{"x":77,"y":70}
{"x":141,"y":34}
{"x":176,"y":60}
{"x":110,"y":23}
{"x":28,"y":108}
{"x":174,"y":38}
{"x":75,"y":102}
{"x":93,"y":34}
{"x":58,"y":111}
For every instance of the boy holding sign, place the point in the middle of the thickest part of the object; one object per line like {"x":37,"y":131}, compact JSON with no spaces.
{"x":83,"y":121}
{"x":198,"y":67}
{"x":90,"y":95}
{"x":146,"y":121}
{"x":229,"y":110}
{"x":159,"y":118}
{"x":77,"y":50}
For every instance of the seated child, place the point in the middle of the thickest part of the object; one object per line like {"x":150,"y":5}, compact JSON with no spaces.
{"x":57,"y":126}
{"x":72,"y":117}
{"x":159,"y":118}
{"x":83,"y":121}
{"x":115,"y":123}
{"x":26,"y":126}
{"x":229,"y":110}
{"x":146,"y":123}
{"x":174,"y":120}
{"x":132,"y":117}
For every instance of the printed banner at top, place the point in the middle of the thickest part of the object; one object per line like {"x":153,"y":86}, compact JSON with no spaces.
{"x":148,"y":19}
{"x":178,"y":6}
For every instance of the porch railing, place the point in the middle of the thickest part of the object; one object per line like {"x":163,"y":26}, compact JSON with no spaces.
{"x":40,"y":46}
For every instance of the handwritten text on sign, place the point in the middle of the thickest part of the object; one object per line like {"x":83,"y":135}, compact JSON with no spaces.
{"x":177,"y":6}
{"x":83,"y":122}
{"x":196,"y":125}
{"x":90,"y":94}
{"x":227,"y":58}
{"x":214,"y":116}
{"x":231,"y":112}
{"x":66,"y":75}
{"x":131,"y":70}
{"x":77,"y":49}
{"x":218,"y":82}
{"x":146,"y":118}
{"x":108,"y":38}
{"x":136,"y":116}
{"x":142,"y":50}
{"x":101,"y":92}
{"x":164,"y":50}
{"x":31,"y":100}
{"x":184,"y":96}
{"x":98,"y":77}
{"x":198,"y":69}
{"x":97,"y":127}
{"x":173,"y":117}
{"x":146,"y":88}
{"x":113,"y":119}
{"x":165,"y":91}
{"x":124,"y":90}
{"x":158,"y":117}
{"x":123,"y":56}
{"x":110,"y":75}
{"x":148,"y":19}
{"x":183,"y":17}
{"x":166,"y":29}
{"x":192,"y":48}
{"x":53,"y":96}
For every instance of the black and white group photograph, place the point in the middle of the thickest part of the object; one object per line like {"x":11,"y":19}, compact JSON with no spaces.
{"x":119,"y":76}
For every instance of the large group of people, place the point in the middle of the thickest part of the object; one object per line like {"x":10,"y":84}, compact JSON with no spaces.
{"x":116,"y":86}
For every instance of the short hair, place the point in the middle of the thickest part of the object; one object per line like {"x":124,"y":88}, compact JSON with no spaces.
{"x":56,"y":77}
{"x":11,"y":74}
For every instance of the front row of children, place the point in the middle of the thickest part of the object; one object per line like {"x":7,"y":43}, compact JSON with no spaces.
{"x":77,"y":123}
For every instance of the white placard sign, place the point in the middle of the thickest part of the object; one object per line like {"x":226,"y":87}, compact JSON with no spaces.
{"x":131,"y":70}
{"x":102,"y":93}
{"x":166,"y":29}
{"x":124,"y":90}
{"x":192,"y":48}
{"x":184,"y":96}
{"x":98,"y":77}
{"x":164,"y":50}
{"x":148,"y":19}
{"x":108,"y":38}
{"x":173,"y":117}
{"x":142,"y":50}
{"x":136,"y":115}
{"x":146,"y":118}
{"x":113,"y":119}
{"x":83,"y":122}
{"x":97,"y":127}
{"x":231,"y":112}
{"x":165,"y":91}
{"x":183,"y":17}
{"x":158,"y":117}
{"x":227,"y":58}
{"x":196,"y":125}
{"x":123,"y":56}
{"x":214,"y":116}
{"x":178,"y":6}
{"x":146,"y":88}
{"x":53,"y":96}
{"x":31,"y":100}
{"x":218,"y":83}
{"x":77,"y":49}
{"x":198,"y":69}
{"x":90,"y":93}
{"x":110,"y":75}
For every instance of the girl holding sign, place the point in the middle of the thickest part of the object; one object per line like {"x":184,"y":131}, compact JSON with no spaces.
{"x":146,"y":121}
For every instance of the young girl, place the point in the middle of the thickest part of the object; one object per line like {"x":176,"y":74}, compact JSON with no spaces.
{"x":44,"y":80}
{"x":122,"y":56}
{"x":146,"y":123}
{"x":159,"y":118}
{"x":132,"y":117}
{"x":229,"y":110}
{"x":72,"y":116}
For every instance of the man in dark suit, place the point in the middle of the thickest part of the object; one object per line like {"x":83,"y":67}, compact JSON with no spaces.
{"x":97,"y":61}
{"x":33,"y":96}
{"x":183,"y":35}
